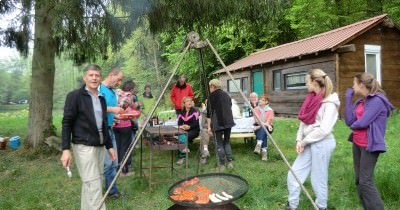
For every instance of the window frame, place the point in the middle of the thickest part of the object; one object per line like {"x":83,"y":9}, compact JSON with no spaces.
{"x":285,"y":76}
{"x":274,"y":87}
{"x":244,"y":86}
{"x":374,"y":50}
{"x":239,"y":81}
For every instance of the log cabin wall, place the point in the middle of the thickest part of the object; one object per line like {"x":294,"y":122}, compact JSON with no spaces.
{"x":341,"y":63}
{"x":240,"y":74}
{"x":352,"y":63}
{"x":287,"y":102}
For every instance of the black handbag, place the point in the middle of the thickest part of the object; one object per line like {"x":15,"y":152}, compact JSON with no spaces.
{"x":135,"y":125}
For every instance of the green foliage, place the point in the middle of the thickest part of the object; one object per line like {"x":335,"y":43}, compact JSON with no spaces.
{"x":14,"y":74}
{"x":84,"y":29}
{"x":139,"y":59}
{"x":253,"y":26}
{"x":304,"y":15}
{"x":67,"y":78}
{"x":198,"y":14}
{"x":392,"y":7}
{"x":308,"y":18}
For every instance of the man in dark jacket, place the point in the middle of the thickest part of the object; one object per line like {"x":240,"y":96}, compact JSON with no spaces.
{"x":85,"y":122}
{"x":219,"y":115}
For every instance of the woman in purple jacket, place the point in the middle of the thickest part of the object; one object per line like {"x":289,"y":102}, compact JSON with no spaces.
{"x":367,"y":117}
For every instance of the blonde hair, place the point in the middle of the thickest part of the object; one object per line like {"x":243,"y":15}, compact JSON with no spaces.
{"x":184,"y":99}
{"x":370,"y":82}
{"x":322,"y":80}
{"x":216,"y":83}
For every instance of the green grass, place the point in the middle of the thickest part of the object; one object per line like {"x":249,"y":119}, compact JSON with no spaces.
{"x":28,"y":182}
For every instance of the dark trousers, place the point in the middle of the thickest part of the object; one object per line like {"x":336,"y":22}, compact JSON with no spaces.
{"x":224,"y":145}
{"x":123,"y":138}
{"x":364,"y":165}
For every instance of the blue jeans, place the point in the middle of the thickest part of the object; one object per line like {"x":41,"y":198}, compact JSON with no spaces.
{"x":261,"y":135}
{"x":110,"y":166}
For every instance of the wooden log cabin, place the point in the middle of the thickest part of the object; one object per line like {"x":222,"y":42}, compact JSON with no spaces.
{"x":371,"y":45}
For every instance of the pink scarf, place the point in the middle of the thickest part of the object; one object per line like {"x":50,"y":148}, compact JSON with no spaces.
{"x":309,"y":109}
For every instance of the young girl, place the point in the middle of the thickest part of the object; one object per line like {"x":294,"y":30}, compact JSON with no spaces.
{"x":123,"y":127}
{"x":367,"y":117}
{"x":266,"y":115}
{"x":315,"y":141}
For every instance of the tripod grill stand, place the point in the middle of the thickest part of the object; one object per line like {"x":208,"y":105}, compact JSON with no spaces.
{"x":195,"y":42}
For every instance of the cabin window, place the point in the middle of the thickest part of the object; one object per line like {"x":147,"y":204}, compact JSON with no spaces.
{"x":245,"y":84}
{"x":295,"y":81}
{"x":241,"y":82}
{"x":372,"y":55}
{"x":277,"y":80}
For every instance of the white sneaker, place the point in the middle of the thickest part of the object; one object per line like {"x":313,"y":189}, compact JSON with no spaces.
{"x":186,"y":150}
{"x":257,"y":149}
{"x":264,"y":156}
{"x":203,"y":161}
{"x":180,"y":161}
{"x":230,"y":165}
{"x":205,"y":154}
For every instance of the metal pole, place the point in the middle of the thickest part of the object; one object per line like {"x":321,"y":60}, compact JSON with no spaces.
{"x":263,"y":126}
{"x":142,"y":128}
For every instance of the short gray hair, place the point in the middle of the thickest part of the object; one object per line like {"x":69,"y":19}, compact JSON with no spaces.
{"x":216,"y":83}
{"x":94,"y":67}
{"x":254,"y":94}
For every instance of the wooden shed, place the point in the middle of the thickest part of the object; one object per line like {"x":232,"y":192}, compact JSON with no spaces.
{"x":371,"y":45}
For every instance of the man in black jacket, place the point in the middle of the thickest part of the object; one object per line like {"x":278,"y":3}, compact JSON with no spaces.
{"x":85,"y":122}
{"x":219,"y":115}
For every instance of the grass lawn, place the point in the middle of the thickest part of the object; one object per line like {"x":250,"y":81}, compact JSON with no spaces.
{"x":39,"y":182}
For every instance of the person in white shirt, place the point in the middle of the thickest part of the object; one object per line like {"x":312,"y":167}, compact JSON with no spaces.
{"x":315,"y":142}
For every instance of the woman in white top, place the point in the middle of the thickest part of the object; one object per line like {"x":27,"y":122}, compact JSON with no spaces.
{"x":315,"y":141}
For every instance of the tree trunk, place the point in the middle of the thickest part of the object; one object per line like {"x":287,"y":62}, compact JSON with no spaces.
{"x":40,"y":123}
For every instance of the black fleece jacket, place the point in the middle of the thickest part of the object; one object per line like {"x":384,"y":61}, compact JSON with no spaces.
{"x":219,"y":109}
{"x":80,"y":123}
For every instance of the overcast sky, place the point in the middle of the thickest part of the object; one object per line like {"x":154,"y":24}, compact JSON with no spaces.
{"x":6,"y":52}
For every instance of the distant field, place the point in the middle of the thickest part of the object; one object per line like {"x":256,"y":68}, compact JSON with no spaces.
{"x":7,"y":108}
